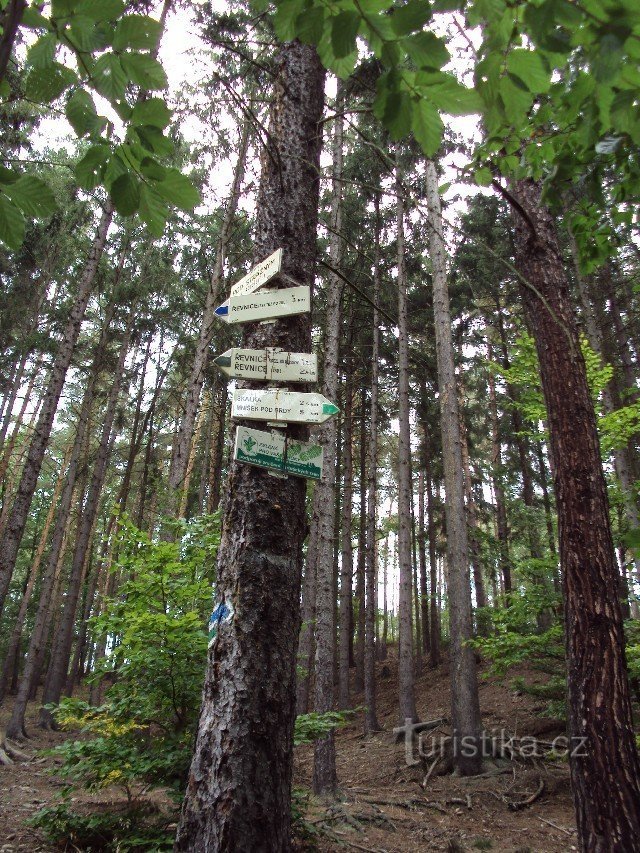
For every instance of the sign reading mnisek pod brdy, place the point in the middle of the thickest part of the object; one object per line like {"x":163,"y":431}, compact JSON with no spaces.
{"x":274,"y":451}
{"x":280,"y":405}
{"x":266,"y":305}
{"x":259,"y":275}
{"x":270,"y":364}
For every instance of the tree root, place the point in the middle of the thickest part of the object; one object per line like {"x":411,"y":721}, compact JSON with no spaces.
{"x":9,"y":752}
{"x":516,"y":805}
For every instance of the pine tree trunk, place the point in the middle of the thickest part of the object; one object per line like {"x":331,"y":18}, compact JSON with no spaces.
{"x":239,"y":789}
{"x":358,"y":649}
{"x":406,"y":696}
{"x":180,"y":453}
{"x":324,"y":498}
{"x":605,"y":772}
{"x":371,"y":587}
{"x":422,"y":561}
{"x":465,"y":705}
{"x":86,"y":526}
{"x":346,"y":565}
{"x":496,"y":478}
{"x":18,"y":517}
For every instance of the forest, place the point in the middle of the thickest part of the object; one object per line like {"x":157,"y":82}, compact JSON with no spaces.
{"x":320,"y":425}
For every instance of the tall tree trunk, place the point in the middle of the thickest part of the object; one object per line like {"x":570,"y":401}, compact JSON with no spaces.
{"x":358,"y":649}
{"x":465,"y":704}
{"x":434,"y":610}
{"x":346,"y":565}
{"x":18,"y":517}
{"x":605,"y":769}
{"x":86,"y":526}
{"x":472,"y":526}
{"x":406,"y":695}
{"x":180,"y":453}
{"x":422,"y":560}
{"x":371,"y":586}
{"x":324,"y":498}
{"x":496,"y":478}
{"x":239,"y":789}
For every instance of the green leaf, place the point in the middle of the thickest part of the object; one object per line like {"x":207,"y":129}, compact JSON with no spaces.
{"x":397,"y":116}
{"x":42,"y":53}
{"x":448,"y":95}
{"x":154,"y":111}
{"x":137,"y":31}
{"x":344,"y":29}
{"x":108,"y":77}
{"x":5,"y":89}
{"x":87,"y":35}
{"x":46,"y":84}
{"x":412,"y":16}
{"x":608,"y":58}
{"x":483,"y":177}
{"x":32,"y":195}
{"x":101,"y":10}
{"x":11,"y":223}
{"x":8,"y":176}
{"x":144,"y":70}
{"x":427,"y":126}
{"x":426,"y":50}
{"x":178,"y":190}
{"x":81,"y":112}
{"x":154,"y":140}
{"x":90,"y":168}
{"x":32,"y":18}
{"x":284,"y":20}
{"x":530,"y":67}
{"x":125,"y":194}
{"x":310,"y":25}
{"x":153,"y":211}
{"x":342,"y":68}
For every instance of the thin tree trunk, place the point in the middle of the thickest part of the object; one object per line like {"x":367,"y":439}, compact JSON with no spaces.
{"x":180,"y":453}
{"x":434,"y":603}
{"x":18,"y":517}
{"x":62,"y":649}
{"x":406,"y":696}
{"x":239,"y":789}
{"x":346,"y":565}
{"x":465,"y":705}
{"x":358,"y":649}
{"x":371,"y":723}
{"x":422,"y":560}
{"x":496,"y":478}
{"x":605,"y":769}
{"x":324,"y":498}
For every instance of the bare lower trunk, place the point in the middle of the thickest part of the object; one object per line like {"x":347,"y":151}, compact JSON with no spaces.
{"x":346,"y":566}
{"x":605,"y":770}
{"x":465,"y":706}
{"x":239,"y":789}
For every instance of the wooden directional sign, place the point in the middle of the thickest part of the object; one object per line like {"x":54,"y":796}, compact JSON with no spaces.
{"x":282,"y":406}
{"x":270,"y":364}
{"x":266,"y":305}
{"x":259,"y":275}
{"x":273,"y":451}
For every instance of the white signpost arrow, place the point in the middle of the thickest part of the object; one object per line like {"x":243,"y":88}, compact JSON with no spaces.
{"x":267,"y":305}
{"x":273,"y":451}
{"x":282,"y":406}
{"x":269,"y":364}
{"x":259,"y":275}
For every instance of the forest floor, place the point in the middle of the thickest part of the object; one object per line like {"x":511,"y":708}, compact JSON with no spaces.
{"x":383,"y":807}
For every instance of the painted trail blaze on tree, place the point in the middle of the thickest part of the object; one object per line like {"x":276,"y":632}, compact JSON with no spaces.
{"x":239,"y":788}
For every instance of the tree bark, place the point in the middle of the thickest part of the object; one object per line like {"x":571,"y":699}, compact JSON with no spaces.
{"x":238,"y":794}
{"x":346,"y":565}
{"x":465,"y":705}
{"x":605,"y":773}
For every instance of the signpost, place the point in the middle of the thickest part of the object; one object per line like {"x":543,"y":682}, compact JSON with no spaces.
{"x":273,"y":451}
{"x":259,"y":275}
{"x":282,"y":406}
{"x":267,"y":305}
{"x":270,"y":364}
